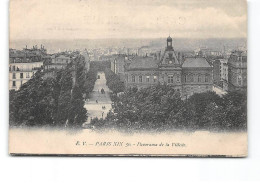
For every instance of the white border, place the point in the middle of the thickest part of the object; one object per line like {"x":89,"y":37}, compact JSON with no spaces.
{"x":48,"y":170}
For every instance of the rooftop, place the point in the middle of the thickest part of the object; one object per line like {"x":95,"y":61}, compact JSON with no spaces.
{"x":195,"y":62}
{"x":143,"y":63}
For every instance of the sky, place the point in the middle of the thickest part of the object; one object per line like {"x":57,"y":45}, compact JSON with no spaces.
{"x":98,"y":19}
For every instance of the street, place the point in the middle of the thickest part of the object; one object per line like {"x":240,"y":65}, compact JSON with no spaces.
{"x":98,"y":100}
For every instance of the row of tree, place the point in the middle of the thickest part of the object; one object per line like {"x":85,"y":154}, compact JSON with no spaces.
{"x":113,"y":82}
{"x":53,"y":101}
{"x":161,"y":108}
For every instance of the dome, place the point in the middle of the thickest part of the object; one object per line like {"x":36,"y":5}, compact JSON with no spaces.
{"x":169,"y":39}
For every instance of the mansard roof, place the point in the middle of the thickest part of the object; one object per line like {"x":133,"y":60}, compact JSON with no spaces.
{"x":195,"y":62}
{"x":143,"y":63}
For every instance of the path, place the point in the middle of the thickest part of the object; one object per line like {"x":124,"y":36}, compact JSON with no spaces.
{"x":95,"y":109}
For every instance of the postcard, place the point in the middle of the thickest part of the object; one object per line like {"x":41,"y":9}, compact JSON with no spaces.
{"x":128,"y":78}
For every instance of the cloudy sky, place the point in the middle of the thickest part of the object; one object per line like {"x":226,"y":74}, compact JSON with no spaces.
{"x":92,"y":19}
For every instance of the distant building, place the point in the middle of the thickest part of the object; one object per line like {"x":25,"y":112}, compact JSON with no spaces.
{"x":193,"y":75}
{"x":224,"y":73}
{"x":57,"y":62}
{"x":118,"y":64}
{"x":237,"y":71}
{"x":216,"y":72}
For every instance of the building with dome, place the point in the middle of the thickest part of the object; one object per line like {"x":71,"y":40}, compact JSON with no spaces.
{"x":187,"y":75}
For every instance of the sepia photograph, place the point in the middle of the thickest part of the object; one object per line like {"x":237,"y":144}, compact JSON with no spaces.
{"x":163,"y":78}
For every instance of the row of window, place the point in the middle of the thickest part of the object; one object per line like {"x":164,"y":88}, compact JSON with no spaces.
{"x":21,"y":75}
{"x":172,"y":79}
{"x":13,"y":68}
{"x":199,"y":78}
{"x":147,"y":79}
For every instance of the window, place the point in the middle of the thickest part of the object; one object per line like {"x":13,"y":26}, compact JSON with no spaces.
{"x":14,"y":76}
{"x":13,"y":68}
{"x":14,"y":83}
{"x":239,"y":80}
{"x":133,"y":78}
{"x":27,"y":75}
{"x":21,"y":83}
{"x":140,"y":78}
{"x":170,"y":79}
{"x":21,"y":75}
{"x":191,"y":79}
{"x":147,"y":78}
{"x":199,"y":78}
{"x":207,"y":78}
{"x":186,"y":78}
{"x":178,"y":78}
{"x":154,"y":78}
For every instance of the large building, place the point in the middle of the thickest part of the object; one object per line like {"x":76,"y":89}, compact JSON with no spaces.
{"x":23,"y":64}
{"x":193,"y":75}
{"x":237,"y":71}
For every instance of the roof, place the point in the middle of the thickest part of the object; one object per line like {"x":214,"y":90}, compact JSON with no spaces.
{"x":143,"y":63}
{"x":169,"y":39}
{"x":63,"y":57}
{"x":195,"y":62}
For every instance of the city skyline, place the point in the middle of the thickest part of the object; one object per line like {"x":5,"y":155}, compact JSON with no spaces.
{"x":132,"y":19}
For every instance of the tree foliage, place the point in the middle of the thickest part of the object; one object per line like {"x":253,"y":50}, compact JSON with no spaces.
{"x":161,"y":108}
{"x":52,"y":101}
{"x":113,"y":82}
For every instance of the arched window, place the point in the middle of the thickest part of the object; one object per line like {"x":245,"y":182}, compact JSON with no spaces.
{"x":191,"y":79}
{"x":147,"y":78}
{"x":178,"y":78}
{"x":140,"y":78}
{"x":133,"y":78}
{"x":155,"y":78}
{"x":186,"y":78}
{"x":199,"y":78}
{"x":207,"y":78}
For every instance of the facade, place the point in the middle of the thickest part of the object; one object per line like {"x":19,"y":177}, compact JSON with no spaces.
{"x":224,"y":73}
{"x":58,"y":62}
{"x":119,"y":63}
{"x":216,"y":72}
{"x":237,"y":71}
{"x":193,"y":75}
{"x":20,"y":73}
